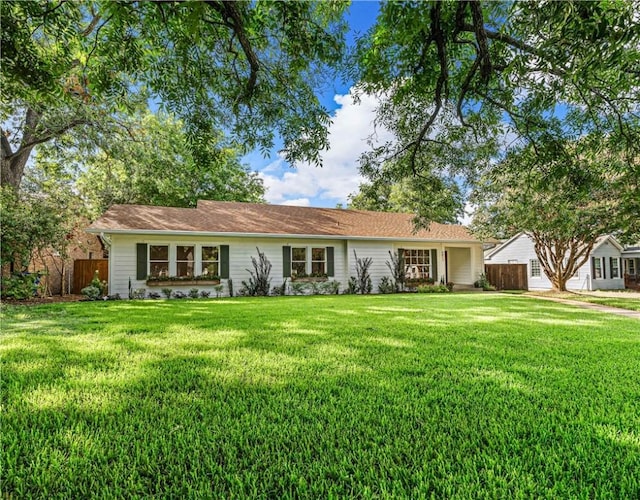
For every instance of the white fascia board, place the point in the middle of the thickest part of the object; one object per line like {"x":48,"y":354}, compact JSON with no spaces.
{"x":272,"y":235}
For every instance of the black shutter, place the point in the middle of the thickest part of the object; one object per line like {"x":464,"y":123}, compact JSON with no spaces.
{"x":611,"y":266}
{"x":604,"y":268}
{"x":593,"y":268}
{"x":286,"y":262}
{"x":224,"y":262}
{"x":434,"y":264}
{"x":141,"y":261}
{"x":330,"y":265}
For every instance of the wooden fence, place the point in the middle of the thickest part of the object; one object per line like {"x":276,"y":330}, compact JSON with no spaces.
{"x":507,"y":276}
{"x":84,"y":269}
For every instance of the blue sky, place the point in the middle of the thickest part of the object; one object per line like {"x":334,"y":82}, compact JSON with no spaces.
{"x":330,"y":185}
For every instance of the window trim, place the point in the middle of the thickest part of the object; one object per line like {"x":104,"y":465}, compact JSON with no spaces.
{"x":308,"y":262}
{"x":538,"y":275}
{"x":597,"y":268}
{"x":150,"y":262}
{"x":193,"y":260}
{"x":202,"y":261}
{"x":408,"y":264}
{"x":617,"y":268}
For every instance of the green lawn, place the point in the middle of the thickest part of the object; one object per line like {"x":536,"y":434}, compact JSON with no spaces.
{"x":450,"y":396}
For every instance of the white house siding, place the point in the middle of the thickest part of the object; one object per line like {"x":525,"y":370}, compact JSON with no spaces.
{"x":521,"y":251}
{"x":378,"y":251}
{"x":123,"y":261}
{"x":122,"y":258}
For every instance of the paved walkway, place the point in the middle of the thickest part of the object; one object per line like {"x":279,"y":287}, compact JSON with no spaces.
{"x":597,"y":307}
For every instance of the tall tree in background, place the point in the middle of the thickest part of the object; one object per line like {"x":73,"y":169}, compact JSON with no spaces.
{"x":150,"y":163}
{"x":462,"y":82}
{"x":563,"y":200}
{"x":431,"y":199}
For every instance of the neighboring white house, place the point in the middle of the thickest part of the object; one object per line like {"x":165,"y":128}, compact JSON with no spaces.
{"x":602,"y":271}
{"x":219,"y":239}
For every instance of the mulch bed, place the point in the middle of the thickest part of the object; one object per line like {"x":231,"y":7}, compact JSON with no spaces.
{"x":34,"y":301}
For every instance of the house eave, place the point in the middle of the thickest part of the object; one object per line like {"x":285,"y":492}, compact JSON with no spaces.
{"x":155,"y":232}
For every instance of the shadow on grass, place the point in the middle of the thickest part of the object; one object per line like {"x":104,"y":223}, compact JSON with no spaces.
{"x":292,"y":403}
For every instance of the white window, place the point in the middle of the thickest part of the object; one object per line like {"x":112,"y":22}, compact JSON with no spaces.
{"x":185,"y":260}
{"x":298,"y":261}
{"x":597,"y":268}
{"x":534,"y":267}
{"x":615,"y":268}
{"x":318,"y":261}
{"x":417,"y":263}
{"x":158,"y":260}
{"x":631,"y":267}
{"x":210,"y":261}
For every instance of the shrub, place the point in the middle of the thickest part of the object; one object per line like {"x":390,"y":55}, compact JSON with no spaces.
{"x":281,"y":289}
{"x":100,"y":285}
{"x":91,"y":292}
{"x":433,"y":289}
{"x":259,"y":282}
{"x":205,"y":294}
{"x":363,"y":277}
{"x":218,"y":289}
{"x":398,"y":271}
{"x":298,"y":288}
{"x":386,"y":285}
{"x":178,"y":294}
{"x":154,"y":295}
{"x":352,"y":286}
{"x":230,"y":285}
{"x":331,"y":287}
{"x":115,"y":296}
{"x":139,"y":293}
{"x":483,"y":282}
{"x":167,"y":292}
{"x":193,"y":293}
{"x":450,"y":285}
{"x":20,"y":286}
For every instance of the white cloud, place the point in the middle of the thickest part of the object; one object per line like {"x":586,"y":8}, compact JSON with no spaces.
{"x":339,"y":176}
{"x":298,"y":202}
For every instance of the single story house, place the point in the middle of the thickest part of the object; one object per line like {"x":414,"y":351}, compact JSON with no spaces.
{"x":217,"y":239}
{"x":602,"y":271}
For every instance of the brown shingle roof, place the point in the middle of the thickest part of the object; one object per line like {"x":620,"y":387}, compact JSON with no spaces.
{"x":258,"y":218}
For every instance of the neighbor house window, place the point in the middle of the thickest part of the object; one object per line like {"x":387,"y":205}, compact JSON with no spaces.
{"x":298,"y":261}
{"x":210,"y":261}
{"x":615,"y":268}
{"x":158,"y":260}
{"x":417,"y":263}
{"x":318,"y":261}
{"x":185,"y":260}
{"x":631,"y":267}
{"x":535,"y":268}
{"x":597,"y":268}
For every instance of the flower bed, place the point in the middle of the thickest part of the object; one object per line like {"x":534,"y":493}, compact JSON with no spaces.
{"x":182,"y":282}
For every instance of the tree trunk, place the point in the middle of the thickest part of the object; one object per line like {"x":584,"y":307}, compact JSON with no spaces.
{"x":13,"y":163}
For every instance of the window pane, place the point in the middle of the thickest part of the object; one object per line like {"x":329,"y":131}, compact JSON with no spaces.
{"x":317,"y":253}
{"x":298,"y":267}
{"x":185,"y":253}
{"x":184,"y":268}
{"x":158,"y":252}
{"x":299,"y":254}
{"x":210,"y":268}
{"x":317,"y":268}
{"x":209,"y":253}
{"x":158,"y":269}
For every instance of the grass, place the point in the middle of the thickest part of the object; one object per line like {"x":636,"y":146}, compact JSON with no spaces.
{"x":620,"y":302}
{"x":405,"y":396}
